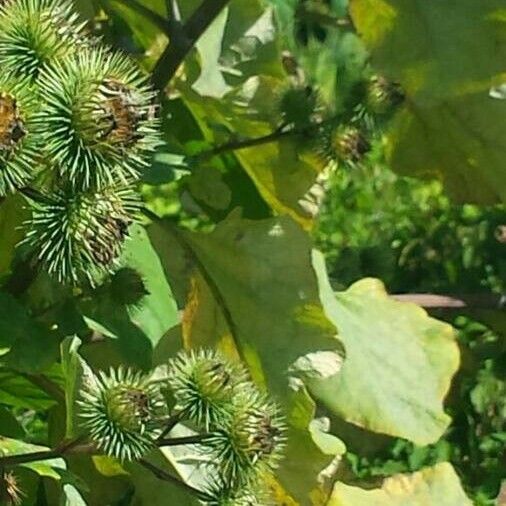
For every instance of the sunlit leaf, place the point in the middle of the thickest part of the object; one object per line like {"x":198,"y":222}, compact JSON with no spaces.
{"x":398,"y":366}
{"x":433,"y":486}
{"x":447,"y":58}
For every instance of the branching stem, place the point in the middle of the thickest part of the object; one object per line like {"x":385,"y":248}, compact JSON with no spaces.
{"x":180,"y":441}
{"x":171,"y":423}
{"x":183,"y":41}
{"x":275,"y":136}
{"x":25,"y":458}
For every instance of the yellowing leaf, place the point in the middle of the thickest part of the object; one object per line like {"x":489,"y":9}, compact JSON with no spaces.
{"x":447,"y":57}
{"x":398,"y":366}
{"x":433,"y":486}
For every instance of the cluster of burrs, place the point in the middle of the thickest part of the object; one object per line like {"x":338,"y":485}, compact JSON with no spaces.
{"x":77,"y":127}
{"x":345,"y":138}
{"x":235,"y":427}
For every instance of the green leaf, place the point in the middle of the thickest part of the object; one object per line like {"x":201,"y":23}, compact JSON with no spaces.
{"x":71,"y":497}
{"x":311,"y":451}
{"x":137,"y":328}
{"x":75,"y":370}
{"x":48,"y":468}
{"x":150,"y":490}
{"x":447,"y":58}
{"x":157,"y":312}
{"x":433,"y":486}
{"x":19,"y":392}
{"x":398,"y":367}
{"x":253,"y":293}
{"x":183,"y":462}
{"x":31,"y":347}
{"x":208,"y":188}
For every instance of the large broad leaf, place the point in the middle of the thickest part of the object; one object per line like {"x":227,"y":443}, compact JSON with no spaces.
{"x":157,"y":311}
{"x":253,"y":293}
{"x":258,"y":275}
{"x":447,"y":56}
{"x":398,"y":367}
{"x":137,"y":328}
{"x":433,"y":486}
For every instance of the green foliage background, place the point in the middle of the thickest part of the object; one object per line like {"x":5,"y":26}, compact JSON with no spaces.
{"x":231,"y":261}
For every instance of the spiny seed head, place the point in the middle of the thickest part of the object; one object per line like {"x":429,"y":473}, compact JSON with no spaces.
{"x":204,"y":384}
{"x":123,"y":413}
{"x":219,"y":492}
{"x":348,"y":144}
{"x":10,"y":491}
{"x":383,"y":95}
{"x":18,"y":143}
{"x":298,"y":105}
{"x":251,"y":441}
{"x":99,"y":125}
{"x":36,"y":32}
{"x":127,"y":287}
{"x":78,"y":237}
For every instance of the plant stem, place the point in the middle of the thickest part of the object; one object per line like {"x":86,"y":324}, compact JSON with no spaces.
{"x":237,"y":145}
{"x":25,"y":458}
{"x":275,"y":136}
{"x":179,"y":441}
{"x":36,"y":195}
{"x":171,"y":422}
{"x":155,"y":18}
{"x":173,"y":10}
{"x":183,"y":41}
{"x":164,"y":475}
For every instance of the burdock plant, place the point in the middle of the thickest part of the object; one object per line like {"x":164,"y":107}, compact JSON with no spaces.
{"x":122,"y":412}
{"x":77,"y":237}
{"x":18,"y":144}
{"x":204,"y":384}
{"x":99,"y":124}
{"x":237,"y":429}
{"x":250,"y":442}
{"x":78,"y":124}
{"x":36,"y":32}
